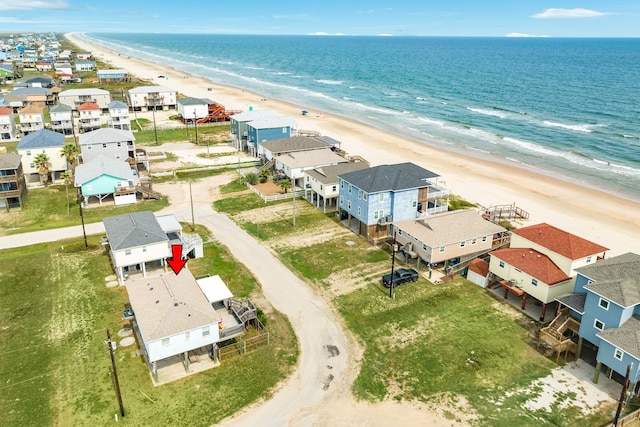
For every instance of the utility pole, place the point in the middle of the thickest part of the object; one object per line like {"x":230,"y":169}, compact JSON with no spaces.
{"x":393,"y":263}
{"x":622,"y":395}
{"x":155,"y":131}
{"x":195,"y":123}
{"x":193,"y":221}
{"x":84,"y":232}
{"x":293,"y":188}
{"x":115,"y":373}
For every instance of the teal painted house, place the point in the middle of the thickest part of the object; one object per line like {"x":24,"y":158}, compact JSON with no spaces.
{"x":103,"y":177}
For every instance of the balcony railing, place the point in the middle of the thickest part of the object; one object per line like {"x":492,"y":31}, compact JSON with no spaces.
{"x":437,"y":193}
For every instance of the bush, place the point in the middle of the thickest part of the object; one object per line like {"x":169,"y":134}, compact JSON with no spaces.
{"x":251,"y":178}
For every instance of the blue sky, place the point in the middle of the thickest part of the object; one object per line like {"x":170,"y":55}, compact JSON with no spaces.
{"x":560,"y":18}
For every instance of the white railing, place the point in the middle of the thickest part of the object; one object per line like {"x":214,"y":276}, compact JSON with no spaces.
{"x":438,"y":193}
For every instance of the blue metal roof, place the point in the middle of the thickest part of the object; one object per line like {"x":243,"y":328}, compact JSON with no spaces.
{"x":41,"y":139}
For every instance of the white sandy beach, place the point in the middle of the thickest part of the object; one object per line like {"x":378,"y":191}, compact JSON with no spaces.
{"x":595,"y":215}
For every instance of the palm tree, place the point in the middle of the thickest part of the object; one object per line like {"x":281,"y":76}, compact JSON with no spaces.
{"x":42,"y":163}
{"x":70,"y":153}
{"x":68,"y":179}
{"x":285,"y":184}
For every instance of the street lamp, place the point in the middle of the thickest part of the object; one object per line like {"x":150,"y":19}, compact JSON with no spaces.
{"x":394,"y":248}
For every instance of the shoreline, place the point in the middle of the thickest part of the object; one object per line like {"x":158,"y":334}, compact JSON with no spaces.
{"x":481,"y":178}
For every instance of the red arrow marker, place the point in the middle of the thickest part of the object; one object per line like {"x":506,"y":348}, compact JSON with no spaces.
{"x":176,"y":263}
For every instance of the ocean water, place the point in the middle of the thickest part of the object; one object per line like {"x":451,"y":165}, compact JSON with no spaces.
{"x":565,"y":107}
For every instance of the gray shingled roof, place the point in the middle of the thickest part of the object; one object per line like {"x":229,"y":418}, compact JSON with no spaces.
{"x":402,"y":176}
{"x":9,"y":161}
{"x":195,"y":101}
{"x":248,"y":116}
{"x":133,"y":230}
{"x":169,"y":304}
{"x":102,"y":165}
{"x":106,"y":135}
{"x":574,"y":301}
{"x":329,"y":174}
{"x":272,"y":122}
{"x":60,"y":108}
{"x":296,"y":143}
{"x":617,"y":279}
{"x":619,"y":267}
{"x":117,"y":104}
{"x":624,"y":292}
{"x":449,"y":227}
{"x":626,"y":337}
{"x":42,"y":138}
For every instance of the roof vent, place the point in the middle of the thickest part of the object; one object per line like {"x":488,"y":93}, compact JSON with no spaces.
{"x":175,"y":304}
{"x":157,"y":301}
{"x":523,"y":255}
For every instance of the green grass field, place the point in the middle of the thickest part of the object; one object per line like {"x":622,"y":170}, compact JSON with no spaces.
{"x":46,"y":208}
{"x":54,"y":311}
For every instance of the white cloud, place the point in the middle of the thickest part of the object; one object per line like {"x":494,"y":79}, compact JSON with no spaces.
{"x":523,"y":35}
{"x":569,"y":13}
{"x":33,"y":4}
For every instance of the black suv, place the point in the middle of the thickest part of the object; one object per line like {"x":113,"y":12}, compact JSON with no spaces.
{"x":400,"y":277}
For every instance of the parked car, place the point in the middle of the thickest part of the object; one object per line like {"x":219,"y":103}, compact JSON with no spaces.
{"x":400,"y":277}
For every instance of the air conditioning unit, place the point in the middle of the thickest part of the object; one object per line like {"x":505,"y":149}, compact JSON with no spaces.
{"x":389,"y":218}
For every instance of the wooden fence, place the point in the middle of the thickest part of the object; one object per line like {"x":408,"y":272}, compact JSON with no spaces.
{"x":279,"y":196}
{"x":243,"y":346}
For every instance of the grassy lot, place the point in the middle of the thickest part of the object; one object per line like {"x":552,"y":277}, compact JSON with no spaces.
{"x":46,"y":208}
{"x":417,"y":344}
{"x":54,"y":310}
{"x":212,"y":134}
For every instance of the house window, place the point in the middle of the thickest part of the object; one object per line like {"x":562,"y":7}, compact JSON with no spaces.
{"x":534,"y":282}
{"x":117,"y":156}
{"x":364,"y":196}
{"x":501,"y":264}
{"x":484,"y":239}
{"x":474,"y":241}
{"x":321,"y":187}
{"x":442,"y":248}
{"x":32,"y":165}
{"x":348,"y":204}
{"x":359,"y":211}
{"x":603,"y":303}
{"x":334,"y":188}
{"x":144,"y":249}
{"x":89,"y":147}
{"x":359,"y":194}
{"x":588,"y":259}
{"x":127,"y":251}
{"x":381,"y":197}
{"x":284,"y":130}
{"x":28,"y":152}
{"x":341,"y":184}
{"x":378,"y":214}
{"x":341,"y":200}
{"x":205,"y":331}
{"x":119,"y":144}
{"x":187,"y":335}
{"x":598,"y":325}
{"x":350,"y":188}
{"x":104,"y":145}
{"x":618,"y":354}
{"x":414,"y":203}
{"x":166,"y":342}
{"x":463,"y":243}
{"x":424,"y":247}
{"x":518,"y":270}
